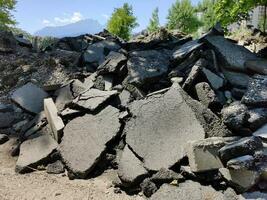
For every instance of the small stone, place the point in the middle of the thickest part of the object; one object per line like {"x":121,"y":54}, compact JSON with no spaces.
{"x":242,"y":147}
{"x":148,"y":187}
{"x":165,"y":176}
{"x":55,"y":168}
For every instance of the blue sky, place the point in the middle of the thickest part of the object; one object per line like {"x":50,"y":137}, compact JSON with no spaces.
{"x":33,"y":15}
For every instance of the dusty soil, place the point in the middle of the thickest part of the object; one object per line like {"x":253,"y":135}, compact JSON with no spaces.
{"x":42,"y":186}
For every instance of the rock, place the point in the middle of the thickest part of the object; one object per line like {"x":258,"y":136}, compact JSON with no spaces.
{"x":236,"y":79}
{"x":78,"y":87}
{"x":242,"y":147}
{"x":207,"y":96}
{"x":145,"y":67}
{"x":256,"y":94}
{"x":81,"y":153}
{"x":23,"y":42}
{"x":186,"y":49}
{"x":258,"y":66}
{"x":232,"y":56}
{"x":170,"y":122}
{"x":30,"y":97}
{"x":55,"y":168}
{"x":6,"y":119}
{"x":148,"y":187}
{"x":235,"y":117}
{"x":243,"y":162}
{"x":203,"y":154}
{"x":255,"y":196}
{"x":34,"y":152}
{"x":6,"y":108}
{"x":95,"y":53}
{"x":130,"y":168}
{"x":241,"y":179}
{"x":165,"y":176}
{"x":125,"y":98}
{"x":3,"y":138}
{"x":192,"y":78}
{"x":215,"y":81}
{"x":257,"y":118}
{"x":93,"y":98}
{"x":55,"y":122}
{"x":64,"y":97}
{"x":261,"y":132}
{"x":7,"y":42}
{"x":108,"y":79}
{"x":113,"y":63}
{"x":187,"y":191}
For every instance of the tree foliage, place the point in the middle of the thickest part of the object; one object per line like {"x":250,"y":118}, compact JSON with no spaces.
{"x":230,"y":11}
{"x":154,"y":21}
{"x":122,"y":22}
{"x":6,"y":18}
{"x":208,"y":18}
{"x":182,"y":16}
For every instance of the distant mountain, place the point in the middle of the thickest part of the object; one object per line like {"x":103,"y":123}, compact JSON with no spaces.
{"x":81,"y":27}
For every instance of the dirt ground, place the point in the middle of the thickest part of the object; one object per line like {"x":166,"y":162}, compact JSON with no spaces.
{"x":42,"y":186}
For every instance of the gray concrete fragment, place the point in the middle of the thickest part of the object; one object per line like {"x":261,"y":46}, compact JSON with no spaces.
{"x":55,"y":122}
{"x":215,"y":81}
{"x":34,"y":152}
{"x":241,"y":179}
{"x":108,"y":79}
{"x":160,"y":127}
{"x":125,"y":98}
{"x":85,"y":139}
{"x":30,"y":97}
{"x":64,"y":97}
{"x":186,"y":49}
{"x":258,"y":66}
{"x":261,"y":132}
{"x":206,"y":95}
{"x":55,"y":168}
{"x":187,"y":191}
{"x":203,"y":155}
{"x":243,"y":162}
{"x":256,"y":94}
{"x":242,"y":147}
{"x":257,"y":118}
{"x":130,"y":168}
{"x":93,"y":98}
{"x":192,"y":78}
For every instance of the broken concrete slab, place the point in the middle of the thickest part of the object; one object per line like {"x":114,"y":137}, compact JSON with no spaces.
{"x":130,"y":168}
{"x":64,"y":97}
{"x":235,"y":116}
{"x":241,"y":179}
{"x":169,"y":122}
{"x":30,"y":97}
{"x":186,"y":49}
{"x":55,"y":122}
{"x":78,"y":87}
{"x":34,"y":152}
{"x":261,"y":132}
{"x":125,"y":98}
{"x":256,"y":94}
{"x":113,"y":63}
{"x":187,"y":191}
{"x":236,"y":79}
{"x":146,"y":67}
{"x":215,"y":81}
{"x":55,"y":168}
{"x":3,"y":138}
{"x":206,"y":95}
{"x":108,"y":79}
{"x":232,"y":56}
{"x":6,"y":119}
{"x":85,"y":139}
{"x":243,"y":162}
{"x":257,"y":118}
{"x":192,"y":78}
{"x":203,"y":155}
{"x":93,"y":98}
{"x":258,"y":66}
{"x":242,"y":147}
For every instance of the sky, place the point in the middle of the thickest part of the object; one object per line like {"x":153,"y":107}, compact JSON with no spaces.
{"x":33,"y":15}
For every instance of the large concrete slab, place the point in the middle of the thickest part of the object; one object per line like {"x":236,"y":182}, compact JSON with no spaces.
{"x":85,"y":140}
{"x":187,"y":191}
{"x":160,"y":127}
{"x":30,"y":97}
{"x":55,"y":122}
{"x":34,"y":151}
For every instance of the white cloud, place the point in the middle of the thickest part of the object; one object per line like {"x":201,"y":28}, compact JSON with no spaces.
{"x":67,"y":19}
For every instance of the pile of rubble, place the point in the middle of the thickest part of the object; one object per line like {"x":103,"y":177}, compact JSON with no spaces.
{"x":175,"y":117}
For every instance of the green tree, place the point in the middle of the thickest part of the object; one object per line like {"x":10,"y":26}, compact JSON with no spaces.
{"x":122,"y":22}
{"x":182,"y":16}
{"x":208,"y":18}
{"x":6,"y":18}
{"x":154,"y":21}
{"x":230,"y":11}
